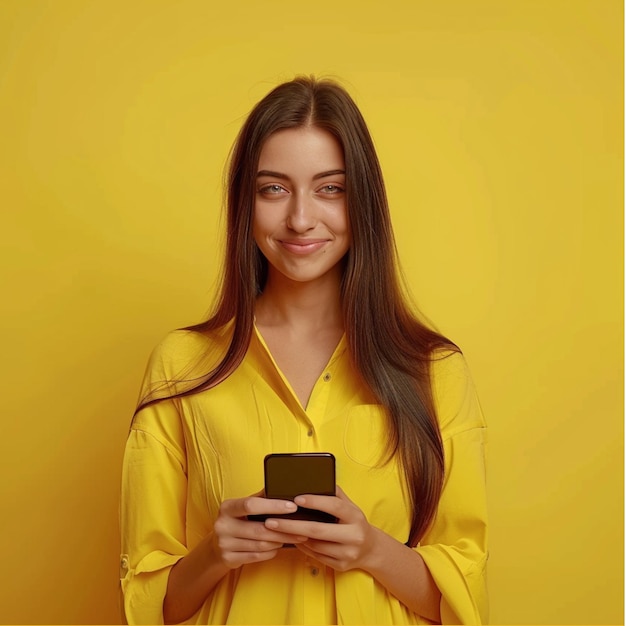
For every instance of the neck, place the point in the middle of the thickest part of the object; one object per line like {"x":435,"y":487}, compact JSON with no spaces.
{"x":301,"y":305}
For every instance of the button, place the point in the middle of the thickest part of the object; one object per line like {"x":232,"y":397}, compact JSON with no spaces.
{"x":124,"y":565}
{"x":309,"y":433}
{"x":314,"y":571}
{"x":327,"y":377}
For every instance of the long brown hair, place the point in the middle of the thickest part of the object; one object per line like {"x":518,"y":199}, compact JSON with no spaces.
{"x":389,"y":347}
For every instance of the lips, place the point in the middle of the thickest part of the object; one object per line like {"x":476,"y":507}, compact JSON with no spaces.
{"x":303,"y":246}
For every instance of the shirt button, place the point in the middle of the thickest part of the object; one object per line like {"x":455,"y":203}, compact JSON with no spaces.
{"x":327,"y":377}
{"x":309,"y":433}
{"x":314,"y":571}
{"x":124,"y":565}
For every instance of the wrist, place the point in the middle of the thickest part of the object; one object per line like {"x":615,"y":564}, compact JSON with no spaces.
{"x":377,"y":554}
{"x":212,"y":556}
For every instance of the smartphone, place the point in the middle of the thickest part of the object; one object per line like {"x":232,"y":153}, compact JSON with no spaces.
{"x":291,"y":475}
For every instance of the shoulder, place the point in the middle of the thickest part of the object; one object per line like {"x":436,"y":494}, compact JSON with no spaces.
{"x":454,"y":394}
{"x":182,"y":356}
{"x":174,"y":352}
{"x":181,"y":349}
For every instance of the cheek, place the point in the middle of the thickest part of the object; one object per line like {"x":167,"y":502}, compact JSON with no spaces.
{"x":259,"y":225}
{"x":265,"y":219}
{"x":337,"y":220}
{"x":343,"y":225}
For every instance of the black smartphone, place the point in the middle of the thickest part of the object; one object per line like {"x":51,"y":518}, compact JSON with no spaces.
{"x":291,"y":475}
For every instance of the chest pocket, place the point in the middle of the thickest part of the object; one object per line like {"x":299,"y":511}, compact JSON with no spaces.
{"x":365,"y":435}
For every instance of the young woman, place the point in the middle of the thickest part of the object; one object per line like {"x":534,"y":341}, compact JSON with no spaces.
{"x":312,"y":347}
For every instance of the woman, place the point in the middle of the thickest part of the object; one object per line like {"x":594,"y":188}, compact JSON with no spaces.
{"x":311,"y":348}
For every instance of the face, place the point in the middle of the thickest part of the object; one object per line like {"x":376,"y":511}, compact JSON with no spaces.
{"x":300,"y":214}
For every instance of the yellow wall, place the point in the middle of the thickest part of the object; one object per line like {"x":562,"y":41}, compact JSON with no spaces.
{"x":499,"y":125}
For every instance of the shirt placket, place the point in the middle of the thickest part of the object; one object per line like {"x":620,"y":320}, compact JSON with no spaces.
{"x":314,"y":571}
{"x":315,"y":412}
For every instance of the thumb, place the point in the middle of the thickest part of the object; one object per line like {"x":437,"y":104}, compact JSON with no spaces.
{"x":340,"y":493}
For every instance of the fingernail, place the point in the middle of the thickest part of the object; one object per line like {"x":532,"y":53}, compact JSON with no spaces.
{"x":271,"y":523}
{"x":300,"y":500}
{"x":290,"y":506}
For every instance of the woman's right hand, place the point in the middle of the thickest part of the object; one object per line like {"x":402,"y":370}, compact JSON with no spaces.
{"x":238,"y":541}
{"x":235,"y":541}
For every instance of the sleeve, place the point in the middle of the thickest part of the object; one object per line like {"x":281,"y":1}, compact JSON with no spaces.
{"x":152,"y":508}
{"x":455,"y":547}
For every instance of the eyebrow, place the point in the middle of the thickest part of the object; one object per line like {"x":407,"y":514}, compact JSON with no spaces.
{"x":271,"y":174}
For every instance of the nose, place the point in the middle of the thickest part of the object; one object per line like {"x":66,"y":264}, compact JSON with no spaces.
{"x":301,"y":215}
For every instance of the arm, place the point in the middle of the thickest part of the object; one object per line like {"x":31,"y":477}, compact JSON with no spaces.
{"x":161,"y":578}
{"x":444,"y":577}
{"x":152,"y":519}
{"x":455,"y":547}
{"x":353,"y":543}
{"x":154,"y":492}
{"x":234,"y":542}
{"x":191,"y":580}
{"x":163,"y":581}
{"x":404,"y":574}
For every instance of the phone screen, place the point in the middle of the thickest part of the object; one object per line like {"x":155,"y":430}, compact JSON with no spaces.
{"x":291,"y":475}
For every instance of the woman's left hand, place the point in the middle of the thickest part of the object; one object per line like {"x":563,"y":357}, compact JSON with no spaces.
{"x":348,"y":544}
{"x":353,"y":543}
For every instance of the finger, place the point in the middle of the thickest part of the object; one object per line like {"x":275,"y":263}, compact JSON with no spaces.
{"x":258,"y":532}
{"x":326,"y":559}
{"x":339,"y":533}
{"x":344,"y":510}
{"x":234,"y":560}
{"x":326,"y":549}
{"x":236,"y":544}
{"x":305,"y":549}
{"x":341,"y":494}
{"x":256,"y":505}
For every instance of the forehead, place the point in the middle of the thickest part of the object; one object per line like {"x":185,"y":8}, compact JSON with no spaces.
{"x":296,"y":148}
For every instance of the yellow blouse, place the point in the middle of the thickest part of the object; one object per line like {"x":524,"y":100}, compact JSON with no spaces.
{"x":185,"y":456}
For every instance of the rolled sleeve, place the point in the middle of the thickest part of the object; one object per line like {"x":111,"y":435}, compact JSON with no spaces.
{"x":455,"y":547}
{"x":154,"y":488}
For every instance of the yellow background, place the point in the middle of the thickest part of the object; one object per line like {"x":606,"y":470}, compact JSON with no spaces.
{"x":499,"y":127}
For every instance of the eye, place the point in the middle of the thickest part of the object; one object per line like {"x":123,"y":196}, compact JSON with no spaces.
{"x":330,"y":188}
{"x":272,"y":189}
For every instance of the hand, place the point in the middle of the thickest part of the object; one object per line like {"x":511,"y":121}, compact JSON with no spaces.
{"x":349,"y":544}
{"x":237,"y":541}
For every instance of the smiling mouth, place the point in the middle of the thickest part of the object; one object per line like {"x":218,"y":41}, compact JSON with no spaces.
{"x":304,"y":246}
